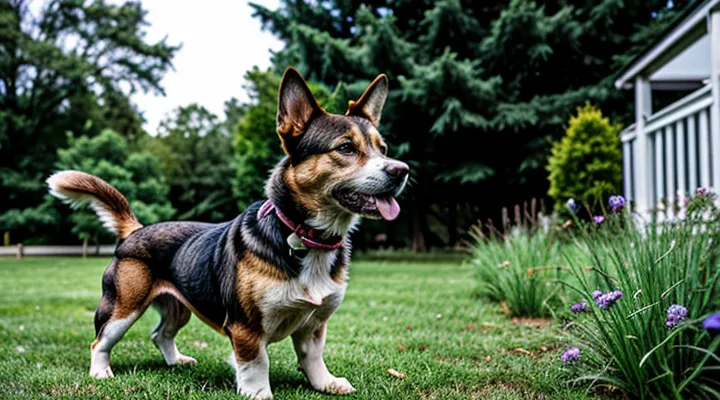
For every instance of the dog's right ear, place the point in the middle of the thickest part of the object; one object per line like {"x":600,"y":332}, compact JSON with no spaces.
{"x":296,"y":106}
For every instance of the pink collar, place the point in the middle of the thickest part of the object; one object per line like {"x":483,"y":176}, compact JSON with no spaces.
{"x":310,"y":237}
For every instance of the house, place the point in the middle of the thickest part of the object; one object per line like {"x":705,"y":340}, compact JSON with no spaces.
{"x":675,"y":150}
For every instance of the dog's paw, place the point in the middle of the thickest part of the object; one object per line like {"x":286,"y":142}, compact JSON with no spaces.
{"x":102,"y":373}
{"x":339,"y":386}
{"x":183,"y":359}
{"x":261,"y":394}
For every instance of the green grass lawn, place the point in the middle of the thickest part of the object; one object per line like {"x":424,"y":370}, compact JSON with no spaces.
{"x":418,"y":318}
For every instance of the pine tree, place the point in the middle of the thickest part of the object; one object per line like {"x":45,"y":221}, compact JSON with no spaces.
{"x":479,"y":90}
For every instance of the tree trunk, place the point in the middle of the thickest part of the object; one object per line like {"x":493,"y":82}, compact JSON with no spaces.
{"x":452,"y":224}
{"x":85,"y":247}
{"x":416,"y":226}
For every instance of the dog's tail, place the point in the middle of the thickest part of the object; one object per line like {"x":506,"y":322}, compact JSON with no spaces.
{"x":77,"y":188}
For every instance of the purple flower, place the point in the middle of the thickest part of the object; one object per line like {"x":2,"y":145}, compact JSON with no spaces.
{"x":572,"y":205}
{"x":571,"y":354}
{"x":616,"y":203}
{"x":675,"y":314}
{"x":703,"y":191}
{"x":598,"y":219}
{"x":579,"y":307}
{"x":596,"y":294}
{"x":607,"y":299}
{"x":712,"y":322}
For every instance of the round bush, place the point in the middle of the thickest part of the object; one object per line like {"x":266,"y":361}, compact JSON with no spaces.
{"x":586,"y":165}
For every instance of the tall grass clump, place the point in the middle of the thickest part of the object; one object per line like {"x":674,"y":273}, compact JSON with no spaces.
{"x":520,"y":270}
{"x":645,"y":305}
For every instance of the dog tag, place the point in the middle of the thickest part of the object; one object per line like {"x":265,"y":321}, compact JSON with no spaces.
{"x":295,"y":242}
{"x":297,"y":247}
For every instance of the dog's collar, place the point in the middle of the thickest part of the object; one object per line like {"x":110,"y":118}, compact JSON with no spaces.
{"x":311,"y":238}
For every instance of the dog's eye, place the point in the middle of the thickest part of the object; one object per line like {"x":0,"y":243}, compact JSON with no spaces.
{"x":346,"y":148}
{"x":384,"y":149}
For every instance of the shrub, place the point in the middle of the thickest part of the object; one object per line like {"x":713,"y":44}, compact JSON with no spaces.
{"x":586,"y":164}
{"x":519,"y":270}
{"x":647,"y":292}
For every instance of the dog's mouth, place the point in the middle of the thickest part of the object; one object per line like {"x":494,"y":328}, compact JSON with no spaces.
{"x":379,"y":205}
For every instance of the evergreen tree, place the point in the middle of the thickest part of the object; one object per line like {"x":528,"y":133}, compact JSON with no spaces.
{"x":478,"y":89}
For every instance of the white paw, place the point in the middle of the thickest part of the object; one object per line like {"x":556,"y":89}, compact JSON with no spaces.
{"x":260,"y":394}
{"x":102,"y":373}
{"x":183,"y":359}
{"x":339,"y":386}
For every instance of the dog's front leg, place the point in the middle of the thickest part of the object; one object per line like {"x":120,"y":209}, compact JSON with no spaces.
{"x":309,"y":343}
{"x":251,"y":362}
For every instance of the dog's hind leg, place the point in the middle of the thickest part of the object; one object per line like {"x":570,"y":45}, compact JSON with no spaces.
{"x":173,"y":316}
{"x":127,"y":285}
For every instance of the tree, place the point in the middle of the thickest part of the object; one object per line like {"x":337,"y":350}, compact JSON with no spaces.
{"x":586,"y":165}
{"x":478,"y":89}
{"x":198,"y":165}
{"x":67,"y":68}
{"x":138,"y":176}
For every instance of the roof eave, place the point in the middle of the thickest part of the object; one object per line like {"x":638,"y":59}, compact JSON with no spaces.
{"x":691,"y":26}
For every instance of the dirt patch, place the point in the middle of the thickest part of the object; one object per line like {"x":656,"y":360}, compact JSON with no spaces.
{"x":482,"y":392}
{"x":533,"y":322}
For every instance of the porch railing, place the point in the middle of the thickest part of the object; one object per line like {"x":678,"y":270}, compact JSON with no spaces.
{"x":678,"y":153}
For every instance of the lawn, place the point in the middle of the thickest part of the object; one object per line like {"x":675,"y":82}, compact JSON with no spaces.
{"x":420,"y":318}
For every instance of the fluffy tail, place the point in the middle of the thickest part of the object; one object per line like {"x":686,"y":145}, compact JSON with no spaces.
{"x":77,"y":188}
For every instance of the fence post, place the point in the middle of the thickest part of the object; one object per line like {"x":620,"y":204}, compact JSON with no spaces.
{"x":643,"y":172}
{"x":20,"y":251}
{"x":533,"y":207}
{"x":505,"y":221}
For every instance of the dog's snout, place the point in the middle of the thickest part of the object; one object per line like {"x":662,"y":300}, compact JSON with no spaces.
{"x":396,"y":169}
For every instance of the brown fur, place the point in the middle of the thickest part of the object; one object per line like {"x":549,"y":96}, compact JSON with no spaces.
{"x":134,"y":283}
{"x":71,"y":183}
{"x":254,"y":278}
{"x":245,"y":341}
{"x":308,"y":180}
{"x":340,"y":275}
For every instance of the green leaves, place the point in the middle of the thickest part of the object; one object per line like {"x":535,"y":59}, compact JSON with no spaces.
{"x":67,"y":66}
{"x":137,"y":176}
{"x":587,"y":163}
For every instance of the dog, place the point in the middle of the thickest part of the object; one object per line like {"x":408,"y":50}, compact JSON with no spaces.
{"x":279,"y":269}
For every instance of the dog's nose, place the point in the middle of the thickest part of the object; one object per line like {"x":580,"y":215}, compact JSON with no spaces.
{"x":396,"y":169}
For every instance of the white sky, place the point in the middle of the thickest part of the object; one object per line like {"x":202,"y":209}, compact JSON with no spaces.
{"x":220,"y":42}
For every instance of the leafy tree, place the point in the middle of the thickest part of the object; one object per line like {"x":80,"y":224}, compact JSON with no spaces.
{"x":70,"y":63}
{"x":138,"y":176}
{"x":198,"y":165}
{"x":477,"y":88}
{"x":586,"y":164}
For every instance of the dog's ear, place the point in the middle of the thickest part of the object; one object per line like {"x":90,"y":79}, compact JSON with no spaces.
{"x":371,"y":103}
{"x":296,"y":106}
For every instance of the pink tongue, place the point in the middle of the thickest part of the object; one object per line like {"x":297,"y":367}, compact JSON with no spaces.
{"x":388,"y":207}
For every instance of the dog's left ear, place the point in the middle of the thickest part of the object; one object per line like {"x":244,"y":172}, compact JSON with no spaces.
{"x":371,"y":103}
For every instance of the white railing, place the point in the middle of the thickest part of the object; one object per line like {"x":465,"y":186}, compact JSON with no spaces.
{"x":678,"y":153}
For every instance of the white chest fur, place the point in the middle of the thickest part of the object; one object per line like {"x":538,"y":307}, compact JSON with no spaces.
{"x":312,"y":296}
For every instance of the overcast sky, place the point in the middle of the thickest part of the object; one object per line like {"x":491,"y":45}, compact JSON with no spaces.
{"x":220,"y":42}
